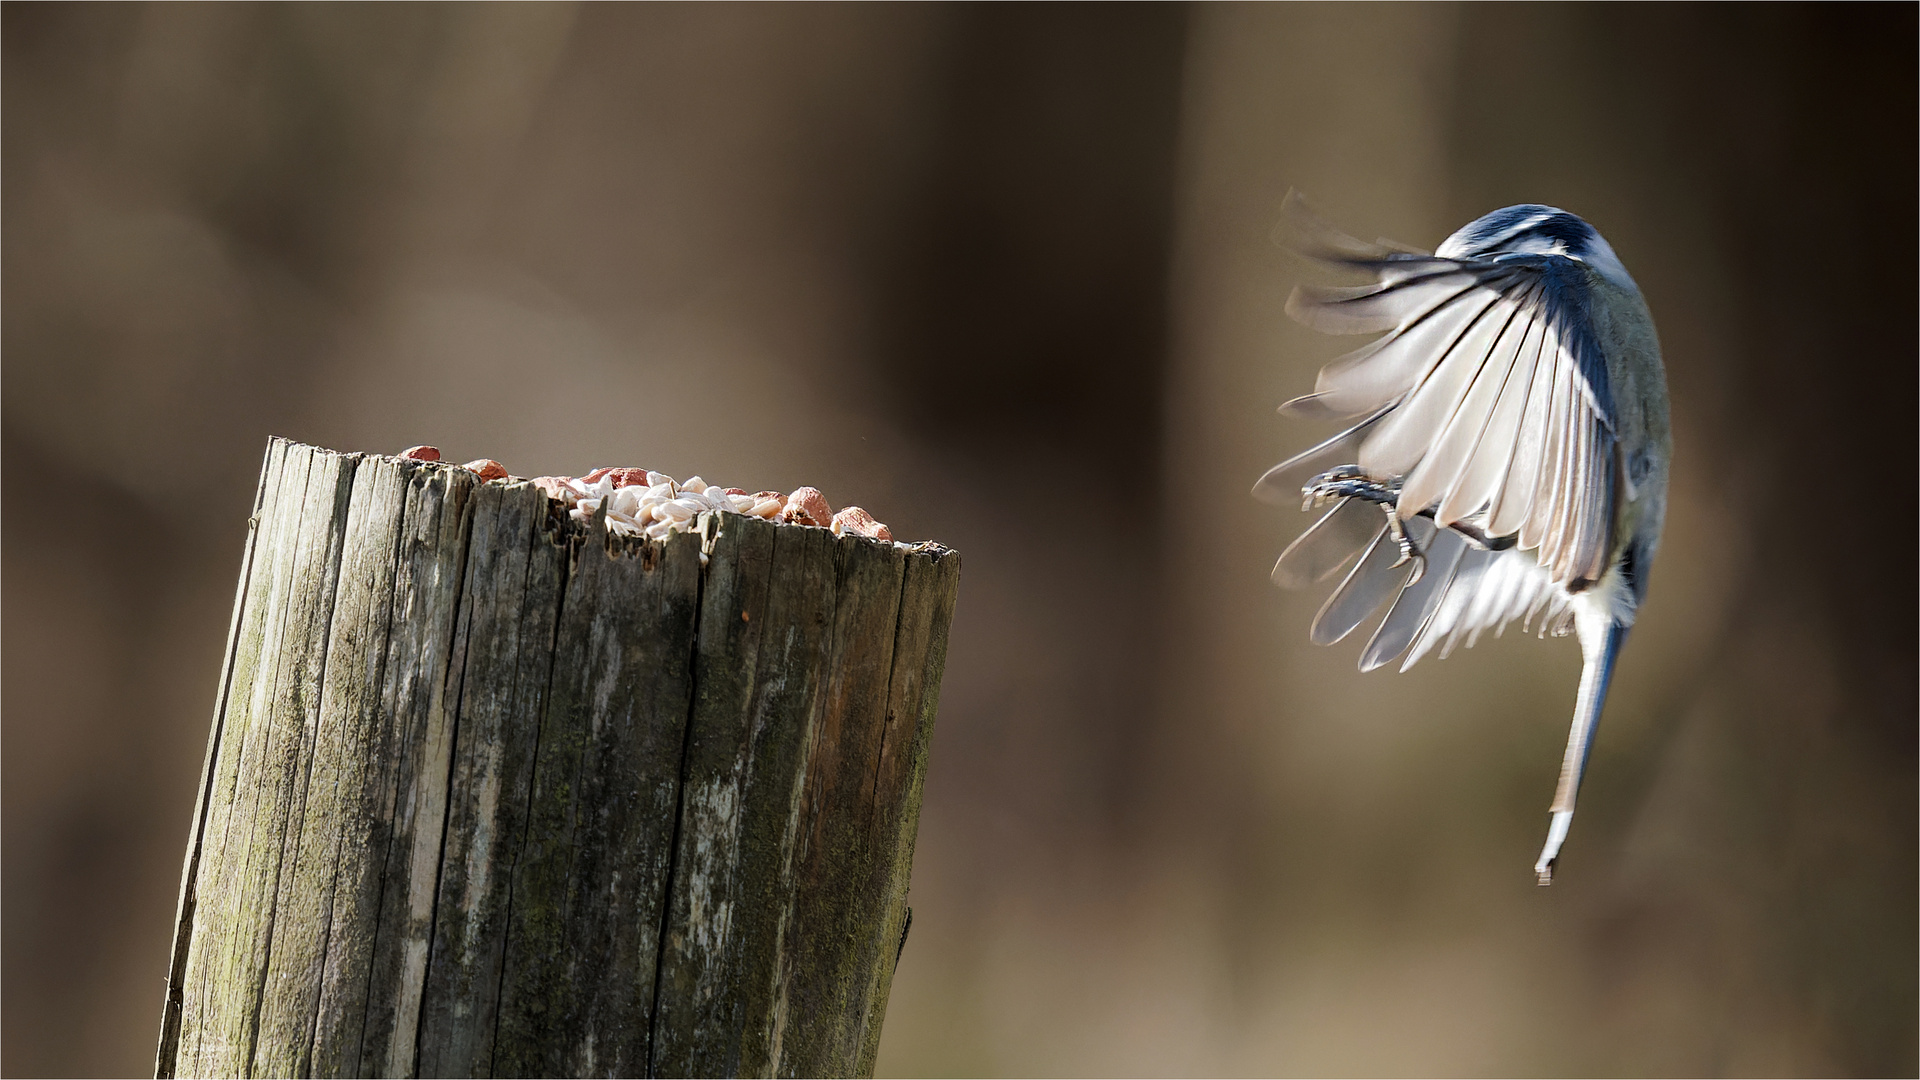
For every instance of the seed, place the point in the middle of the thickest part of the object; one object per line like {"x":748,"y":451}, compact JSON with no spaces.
{"x":652,"y":504}
{"x":626,"y":501}
{"x":486,"y":469}
{"x":558,"y":487}
{"x":860,"y":523}
{"x":806,"y":506}
{"x":421,"y":453}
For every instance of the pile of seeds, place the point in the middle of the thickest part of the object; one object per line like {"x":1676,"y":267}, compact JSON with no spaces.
{"x":640,"y":502}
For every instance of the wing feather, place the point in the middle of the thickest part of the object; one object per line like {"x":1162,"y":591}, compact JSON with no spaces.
{"x":1479,"y":481}
{"x":1561,"y":552}
{"x":1406,"y":434}
{"x":1491,"y":607}
{"x":1365,"y":588}
{"x":1436,"y":480}
{"x":1553,"y":526}
{"x":1486,"y":590}
{"x":1383,"y":305}
{"x":1513,"y":505}
{"x":1283,"y":482}
{"x":1416,"y":603}
{"x":1534,"y":532}
{"x":1471,"y":609}
{"x":1328,"y":544}
{"x":1466,"y":577}
{"x":1380,"y":373}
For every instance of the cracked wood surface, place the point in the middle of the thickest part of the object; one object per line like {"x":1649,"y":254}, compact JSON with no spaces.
{"x":486,"y":795}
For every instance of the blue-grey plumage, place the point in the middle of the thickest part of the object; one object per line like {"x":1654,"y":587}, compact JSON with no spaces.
{"x":1511,"y":421}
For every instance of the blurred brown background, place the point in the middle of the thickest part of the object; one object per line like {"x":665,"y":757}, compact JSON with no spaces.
{"x":1004,"y":276}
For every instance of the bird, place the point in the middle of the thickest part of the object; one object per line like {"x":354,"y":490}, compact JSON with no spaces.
{"x":1504,"y":450}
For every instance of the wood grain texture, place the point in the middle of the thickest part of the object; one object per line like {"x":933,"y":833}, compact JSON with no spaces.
{"x":514,"y":583}
{"x":489,"y":794}
{"x":761,"y":668}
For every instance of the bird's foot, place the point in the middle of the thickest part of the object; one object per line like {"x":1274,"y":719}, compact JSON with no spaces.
{"x":1351,"y":482}
{"x":1347,"y":482}
{"x":1410,"y":549}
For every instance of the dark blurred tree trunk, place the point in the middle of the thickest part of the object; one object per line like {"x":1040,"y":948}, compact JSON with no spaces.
{"x":1023,"y":319}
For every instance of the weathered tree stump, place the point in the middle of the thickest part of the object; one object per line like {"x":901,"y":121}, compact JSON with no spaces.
{"x":487,"y":794}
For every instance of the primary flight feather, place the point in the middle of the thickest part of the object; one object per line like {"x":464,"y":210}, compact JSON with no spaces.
{"x":1507,"y":455}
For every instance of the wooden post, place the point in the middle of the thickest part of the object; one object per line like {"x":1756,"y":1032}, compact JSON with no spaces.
{"x":487,"y":794}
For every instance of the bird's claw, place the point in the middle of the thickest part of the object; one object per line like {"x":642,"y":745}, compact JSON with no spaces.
{"x":1352,"y":482}
{"x":1410,"y":549}
{"x":1345,"y":482}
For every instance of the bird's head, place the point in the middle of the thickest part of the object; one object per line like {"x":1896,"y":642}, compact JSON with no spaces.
{"x":1532,"y":229}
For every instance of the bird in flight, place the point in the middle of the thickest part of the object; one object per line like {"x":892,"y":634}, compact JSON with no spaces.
{"x":1504,"y":454}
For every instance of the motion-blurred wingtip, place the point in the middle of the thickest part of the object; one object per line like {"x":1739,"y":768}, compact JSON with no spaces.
{"x":1297,"y":307}
{"x":1305,"y":230}
{"x":1399,"y":248}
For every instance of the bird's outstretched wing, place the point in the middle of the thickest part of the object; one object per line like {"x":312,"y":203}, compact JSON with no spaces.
{"x":1465,"y":591}
{"x":1494,"y":390}
{"x":1486,"y":398}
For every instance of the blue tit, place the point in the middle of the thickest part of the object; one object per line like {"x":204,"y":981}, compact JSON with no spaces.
{"x":1507,"y":454}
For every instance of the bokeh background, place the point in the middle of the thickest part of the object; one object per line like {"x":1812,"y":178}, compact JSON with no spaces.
{"x":1005,"y":276}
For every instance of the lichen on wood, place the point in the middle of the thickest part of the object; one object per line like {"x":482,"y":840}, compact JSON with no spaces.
{"x":488,"y":794}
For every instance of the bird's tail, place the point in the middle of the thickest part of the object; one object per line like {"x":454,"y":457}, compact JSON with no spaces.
{"x":1601,"y":648}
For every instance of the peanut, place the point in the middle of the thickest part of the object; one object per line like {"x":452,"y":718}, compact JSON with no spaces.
{"x":854,"y":520}
{"x":806,"y":506}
